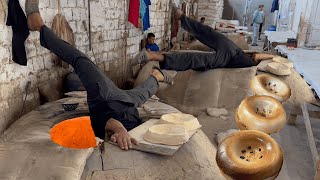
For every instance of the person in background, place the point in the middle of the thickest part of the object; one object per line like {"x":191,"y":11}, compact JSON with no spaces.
{"x":258,"y":17}
{"x":202,"y":20}
{"x":261,"y":25}
{"x":151,"y":45}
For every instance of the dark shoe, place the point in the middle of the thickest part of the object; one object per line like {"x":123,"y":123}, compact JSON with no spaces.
{"x":140,"y":58}
{"x":167,"y":78}
{"x":254,"y":44}
{"x":31,"y":6}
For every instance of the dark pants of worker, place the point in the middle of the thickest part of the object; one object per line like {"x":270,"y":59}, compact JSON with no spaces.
{"x":98,"y":86}
{"x":226,"y":55}
{"x":260,"y":30}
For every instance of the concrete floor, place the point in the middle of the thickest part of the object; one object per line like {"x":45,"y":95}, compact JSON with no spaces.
{"x":260,"y":44}
{"x":298,"y":163}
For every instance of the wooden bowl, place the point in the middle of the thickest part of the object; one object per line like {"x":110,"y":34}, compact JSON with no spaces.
{"x":270,"y":86}
{"x":261,"y":113}
{"x":249,"y":155}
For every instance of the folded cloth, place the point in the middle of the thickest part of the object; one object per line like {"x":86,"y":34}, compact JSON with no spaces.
{"x":18,"y":21}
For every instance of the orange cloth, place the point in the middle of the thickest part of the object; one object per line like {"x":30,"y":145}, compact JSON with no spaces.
{"x":74,"y":133}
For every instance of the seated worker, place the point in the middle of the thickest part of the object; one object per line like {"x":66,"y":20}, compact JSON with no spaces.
{"x":110,"y":108}
{"x":226,"y":55}
{"x":151,"y":45}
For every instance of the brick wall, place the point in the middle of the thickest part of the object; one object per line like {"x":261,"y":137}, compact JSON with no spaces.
{"x":114,"y":40}
{"x":210,"y":9}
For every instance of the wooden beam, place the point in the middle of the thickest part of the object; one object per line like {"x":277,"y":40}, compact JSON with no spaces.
{"x":317,"y":177}
{"x":312,"y":144}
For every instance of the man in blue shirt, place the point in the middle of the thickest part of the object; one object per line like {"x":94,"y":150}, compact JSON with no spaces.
{"x":258,"y":18}
{"x":151,"y":45}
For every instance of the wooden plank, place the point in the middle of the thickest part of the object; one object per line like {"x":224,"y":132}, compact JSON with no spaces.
{"x":145,"y":146}
{"x":317,"y":176}
{"x":2,"y":11}
{"x":312,"y":144}
{"x":194,"y":160}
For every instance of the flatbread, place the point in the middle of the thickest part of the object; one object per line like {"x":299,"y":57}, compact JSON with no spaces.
{"x":278,"y":69}
{"x":168,"y":134}
{"x":187,"y":121}
{"x":284,"y":61}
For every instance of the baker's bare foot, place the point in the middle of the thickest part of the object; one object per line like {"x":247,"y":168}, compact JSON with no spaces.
{"x":141,"y":58}
{"x":34,"y":18}
{"x":35,"y":21}
{"x":258,"y":57}
{"x":161,"y":76}
{"x":157,"y":74}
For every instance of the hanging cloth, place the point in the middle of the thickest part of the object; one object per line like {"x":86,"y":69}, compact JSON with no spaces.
{"x":18,"y":21}
{"x":146,"y":17}
{"x":134,"y":12}
{"x":275,"y":5}
{"x":143,"y":8}
{"x":195,"y":8}
{"x":184,"y":7}
{"x":188,"y":8}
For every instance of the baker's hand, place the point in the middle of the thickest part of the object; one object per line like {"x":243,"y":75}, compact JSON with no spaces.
{"x":124,"y":140}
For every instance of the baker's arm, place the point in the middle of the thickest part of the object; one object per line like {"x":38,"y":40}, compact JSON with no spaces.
{"x":120,"y":134}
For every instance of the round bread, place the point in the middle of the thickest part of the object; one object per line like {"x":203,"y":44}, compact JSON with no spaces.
{"x":186,"y":120}
{"x":284,"y":61}
{"x":270,"y":86}
{"x":261,"y":113}
{"x":278,"y":69}
{"x":249,"y":155}
{"x":168,"y":134}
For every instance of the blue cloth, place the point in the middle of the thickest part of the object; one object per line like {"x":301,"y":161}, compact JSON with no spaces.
{"x":153,"y":47}
{"x":146,"y":17}
{"x":275,"y":5}
{"x":257,"y":17}
{"x":143,"y":8}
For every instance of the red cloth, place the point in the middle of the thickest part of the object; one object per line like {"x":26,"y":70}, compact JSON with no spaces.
{"x":134,"y":12}
{"x":184,"y":7}
{"x":174,"y":28}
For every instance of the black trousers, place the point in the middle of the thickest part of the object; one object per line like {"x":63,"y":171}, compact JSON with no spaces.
{"x":226,"y":55}
{"x":94,"y":80}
